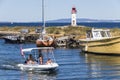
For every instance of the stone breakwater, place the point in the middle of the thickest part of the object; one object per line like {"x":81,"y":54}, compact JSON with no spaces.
{"x":32,"y":37}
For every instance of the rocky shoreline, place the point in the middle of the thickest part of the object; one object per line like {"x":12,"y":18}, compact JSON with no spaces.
{"x":79,"y":32}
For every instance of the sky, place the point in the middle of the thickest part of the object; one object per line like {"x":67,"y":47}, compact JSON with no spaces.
{"x":31,"y":10}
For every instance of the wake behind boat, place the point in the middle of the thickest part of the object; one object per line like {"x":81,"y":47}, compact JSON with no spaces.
{"x":40,"y":59}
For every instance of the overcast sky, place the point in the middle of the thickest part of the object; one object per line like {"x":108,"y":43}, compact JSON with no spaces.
{"x":30,"y":10}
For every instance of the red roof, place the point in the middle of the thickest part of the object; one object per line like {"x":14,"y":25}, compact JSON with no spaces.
{"x":74,"y":10}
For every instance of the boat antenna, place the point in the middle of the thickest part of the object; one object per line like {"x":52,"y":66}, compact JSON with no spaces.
{"x":43,"y":18}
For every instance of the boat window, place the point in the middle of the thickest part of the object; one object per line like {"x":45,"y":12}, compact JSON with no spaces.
{"x":103,"y":34}
{"x":96,"y":34}
{"x":108,"y":33}
{"x":89,"y":34}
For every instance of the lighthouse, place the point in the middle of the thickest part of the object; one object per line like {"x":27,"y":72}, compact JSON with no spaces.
{"x":73,"y":20}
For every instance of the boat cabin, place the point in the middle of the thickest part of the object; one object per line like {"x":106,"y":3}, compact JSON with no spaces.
{"x":98,"y":34}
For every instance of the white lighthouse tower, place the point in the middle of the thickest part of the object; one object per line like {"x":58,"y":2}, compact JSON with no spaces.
{"x":73,"y":20}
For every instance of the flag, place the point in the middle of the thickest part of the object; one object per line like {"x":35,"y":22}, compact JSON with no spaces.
{"x":21,"y":51}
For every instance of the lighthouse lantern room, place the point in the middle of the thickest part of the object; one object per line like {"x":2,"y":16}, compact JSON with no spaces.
{"x":73,"y":20}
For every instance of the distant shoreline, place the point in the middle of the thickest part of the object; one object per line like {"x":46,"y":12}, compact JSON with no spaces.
{"x":38,"y":24}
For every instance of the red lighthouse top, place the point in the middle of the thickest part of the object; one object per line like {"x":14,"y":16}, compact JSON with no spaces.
{"x":73,"y":10}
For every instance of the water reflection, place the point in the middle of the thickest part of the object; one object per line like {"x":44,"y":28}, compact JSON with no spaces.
{"x":102,"y":66}
{"x":38,"y":76}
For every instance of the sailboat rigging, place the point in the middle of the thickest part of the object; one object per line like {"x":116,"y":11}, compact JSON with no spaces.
{"x":44,"y":40}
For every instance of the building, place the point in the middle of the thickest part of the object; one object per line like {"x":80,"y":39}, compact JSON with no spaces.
{"x":73,"y":20}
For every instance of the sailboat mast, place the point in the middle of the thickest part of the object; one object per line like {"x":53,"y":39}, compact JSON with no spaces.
{"x":43,"y":15}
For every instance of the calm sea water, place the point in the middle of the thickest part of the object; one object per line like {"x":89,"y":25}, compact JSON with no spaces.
{"x":89,"y":24}
{"x":73,"y":65}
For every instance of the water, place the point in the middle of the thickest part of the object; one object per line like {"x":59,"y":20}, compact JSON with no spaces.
{"x":73,"y":65}
{"x":89,"y":24}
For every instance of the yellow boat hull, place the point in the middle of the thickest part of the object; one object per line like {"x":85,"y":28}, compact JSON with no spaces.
{"x":102,"y":46}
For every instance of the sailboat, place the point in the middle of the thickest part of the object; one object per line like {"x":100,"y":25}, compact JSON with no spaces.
{"x":44,"y":40}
